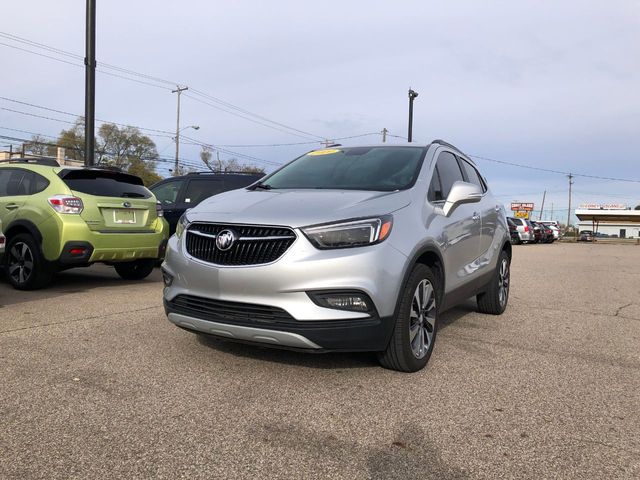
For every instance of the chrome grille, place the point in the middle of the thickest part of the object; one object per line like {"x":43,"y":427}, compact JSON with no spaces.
{"x":255,"y":245}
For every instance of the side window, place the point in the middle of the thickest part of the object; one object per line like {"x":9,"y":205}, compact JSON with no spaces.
{"x":435,"y":189}
{"x":5,"y":174}
{"x":14,"y":181}
{"x":167,"y":193}
{"x":199,"y":189}
{"x":449,"y":172}
{"x":38,"y":183}
{"x":472,"y":174}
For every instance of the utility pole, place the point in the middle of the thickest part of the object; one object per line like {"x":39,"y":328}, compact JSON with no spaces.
{"x":552,"y":211}
{"x":178,"y":90}
{"x":384,"y":135}
{"x":542,"y":208}
{"x":327,"y":142}
{"x":90,"y":84}
{"x":569,"y":211}
{"x":412,"y":96}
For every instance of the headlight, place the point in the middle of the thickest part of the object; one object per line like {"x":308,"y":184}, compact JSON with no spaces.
{"x":182,"y":224}
{"x":354,"y":233}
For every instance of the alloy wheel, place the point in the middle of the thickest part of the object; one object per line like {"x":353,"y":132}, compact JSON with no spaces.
{"x":503,"y":282}
{"x":423,"y":318}
{"x":20,"y":262}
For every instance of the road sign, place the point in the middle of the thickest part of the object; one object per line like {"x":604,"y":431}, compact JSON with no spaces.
{"x":522,"y":214}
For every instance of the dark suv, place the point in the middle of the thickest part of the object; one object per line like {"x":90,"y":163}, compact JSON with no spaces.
{"x":177,"y":194}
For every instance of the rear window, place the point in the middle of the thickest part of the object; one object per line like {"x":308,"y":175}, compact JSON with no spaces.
{"x":105,"y":183}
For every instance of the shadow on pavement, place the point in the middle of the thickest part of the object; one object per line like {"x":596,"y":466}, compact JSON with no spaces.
{"x":318,"y":360}
{"x":76,"y":280}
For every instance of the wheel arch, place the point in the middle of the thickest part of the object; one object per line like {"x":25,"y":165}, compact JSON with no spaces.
{"x":23,"y":226}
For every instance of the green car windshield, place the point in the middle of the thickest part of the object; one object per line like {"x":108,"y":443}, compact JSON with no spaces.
{"x":357,"y":168}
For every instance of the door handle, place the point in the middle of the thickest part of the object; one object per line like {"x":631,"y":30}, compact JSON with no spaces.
{"x":498,"y":208}
{"x":476,"y":216}
{"x":11,"y":206}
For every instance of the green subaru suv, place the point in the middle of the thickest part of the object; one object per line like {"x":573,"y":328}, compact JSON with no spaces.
{"x":56,"y":218}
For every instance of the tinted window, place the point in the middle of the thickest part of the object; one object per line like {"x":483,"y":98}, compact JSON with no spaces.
{"x":39,"y":183}
{"x":105,"y":183}
{"x":14,"y":181}
{"x":472,"y":174}
{"x":239,"y":181}
{"x":167,"y":193}
{"x":449,"y":172}
{"x":435,"y":189}
{"x":358,"y":168}
{"x":198,"y":190}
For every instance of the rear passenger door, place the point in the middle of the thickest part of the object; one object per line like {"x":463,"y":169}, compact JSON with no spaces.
{"x":168,"y":194}
{"x":15,"y":186}
{"x":460,"y":235}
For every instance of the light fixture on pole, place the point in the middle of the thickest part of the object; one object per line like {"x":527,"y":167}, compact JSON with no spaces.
{"x":412,"y":96}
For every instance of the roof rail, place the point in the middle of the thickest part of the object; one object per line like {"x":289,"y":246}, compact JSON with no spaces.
{"x":50,"y":162}
{"x":451,"y":146}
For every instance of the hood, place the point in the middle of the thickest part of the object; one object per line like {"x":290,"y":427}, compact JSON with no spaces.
{"x":296,"y":208}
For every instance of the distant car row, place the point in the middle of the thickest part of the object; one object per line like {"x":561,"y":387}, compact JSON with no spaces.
{"x":528,"y":231}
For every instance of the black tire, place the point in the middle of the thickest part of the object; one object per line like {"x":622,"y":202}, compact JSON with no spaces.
{"x":26,"y":267}
{"x":399,"y":354}
{"x":136,"y":270}
{"x":496,"y":296}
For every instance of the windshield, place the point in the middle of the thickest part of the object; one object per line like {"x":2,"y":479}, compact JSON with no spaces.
{"x":356,"y":168}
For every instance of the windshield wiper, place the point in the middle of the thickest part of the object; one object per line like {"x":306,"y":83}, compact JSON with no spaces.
{"x":261,"y":186}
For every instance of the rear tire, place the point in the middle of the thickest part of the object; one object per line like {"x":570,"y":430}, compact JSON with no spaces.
{"x":26,"y":267}
{"x":136,"y":270}
{"x":494,"y":300}
{"x":414,"y":334}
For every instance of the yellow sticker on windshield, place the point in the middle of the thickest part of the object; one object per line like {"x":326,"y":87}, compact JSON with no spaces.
{"x":327,"y":151}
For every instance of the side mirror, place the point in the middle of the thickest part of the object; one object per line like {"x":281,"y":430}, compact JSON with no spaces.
{"x":461,"y":192}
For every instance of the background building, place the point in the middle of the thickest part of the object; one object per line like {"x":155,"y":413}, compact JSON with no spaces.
{"x":614,"y":220}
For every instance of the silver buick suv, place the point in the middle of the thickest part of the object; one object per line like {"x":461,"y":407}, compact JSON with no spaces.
{"x":343,"y":249}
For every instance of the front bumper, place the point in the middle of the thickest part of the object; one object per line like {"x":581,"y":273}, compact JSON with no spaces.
{"x":376,"y":270}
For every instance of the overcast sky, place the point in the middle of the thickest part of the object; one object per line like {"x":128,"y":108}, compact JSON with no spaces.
{"x":548,"y":84}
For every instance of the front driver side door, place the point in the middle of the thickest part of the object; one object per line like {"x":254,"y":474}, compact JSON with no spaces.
{"x":460,"y":232}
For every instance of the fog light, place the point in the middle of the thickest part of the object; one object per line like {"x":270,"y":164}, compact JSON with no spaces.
{"x":351,"y":301}
{"x":167,"y":278}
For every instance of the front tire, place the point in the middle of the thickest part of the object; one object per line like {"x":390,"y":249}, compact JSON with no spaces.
{"x":136,"y":270}
{"x":26,"y":267}
{"x":494,"y":300}
{"x":414,"y":334}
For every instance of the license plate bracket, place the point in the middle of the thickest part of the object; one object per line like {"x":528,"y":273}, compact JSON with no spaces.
{"x":122,"y":216}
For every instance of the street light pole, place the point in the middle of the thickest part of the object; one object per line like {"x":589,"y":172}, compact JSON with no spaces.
{"x":90,"y":84}
{"x":412,"y":96}
{"x":178,"y":90}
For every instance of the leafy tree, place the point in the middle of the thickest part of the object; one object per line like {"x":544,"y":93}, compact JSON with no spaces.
{"x":40,"y":146}
{"x":73,"y":140}
{"x":123,"y":147}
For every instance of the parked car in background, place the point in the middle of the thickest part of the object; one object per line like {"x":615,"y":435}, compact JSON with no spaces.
{"x":56,"y":218}
{"x":585,"y":236}
{"x":555,"y":230}
{"x":537,"y":231}
{"x":177,"y":194}
{"x":513,"y":232}
{"x":524,"y":230}
{"x":345,"y":248}
{"x":547,"y":233}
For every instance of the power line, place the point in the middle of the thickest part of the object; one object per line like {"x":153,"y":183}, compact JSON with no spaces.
{"x":130,"y":72}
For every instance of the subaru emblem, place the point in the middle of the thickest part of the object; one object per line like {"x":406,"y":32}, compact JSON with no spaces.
{"x":225,"y":240}
{"x":126,"y":204}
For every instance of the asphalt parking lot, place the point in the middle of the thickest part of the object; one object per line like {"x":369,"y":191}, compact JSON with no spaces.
{"x":97,"y":384}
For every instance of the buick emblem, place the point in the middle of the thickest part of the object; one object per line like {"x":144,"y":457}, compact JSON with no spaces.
{"x":225,"y":240}
{"x":126,"y":204}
